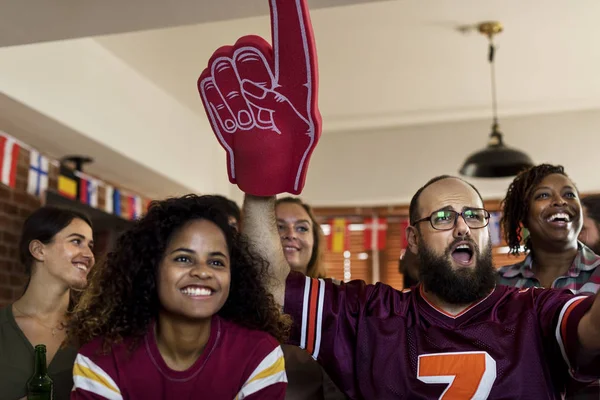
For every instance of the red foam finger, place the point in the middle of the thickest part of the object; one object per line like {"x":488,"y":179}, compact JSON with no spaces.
{"x":279,"y":85}
{"x":294,"y":52}
{"x":207,"y":90}
{"x":218,"y":111}
{"x":253,"y":58}
{"x":295,"y":61}
{"x":263,"y":118}
{"x":228,"y":84}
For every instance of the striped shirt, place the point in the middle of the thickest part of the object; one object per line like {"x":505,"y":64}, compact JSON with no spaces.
{"x":583,"y":277}
{"x":237,"y":363}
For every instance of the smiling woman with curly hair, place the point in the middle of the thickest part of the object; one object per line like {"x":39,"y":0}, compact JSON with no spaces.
{"x":180,"y":304}
{"x":545,"y":201}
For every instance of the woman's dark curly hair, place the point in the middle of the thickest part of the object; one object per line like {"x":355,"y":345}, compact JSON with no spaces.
{"x":515,"y":206}
{"x":122,"y":299}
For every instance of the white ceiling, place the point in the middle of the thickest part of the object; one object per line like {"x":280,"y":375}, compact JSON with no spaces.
{"x":57,"y":141}
{"x":391,"y":63}
{"x":34,"y":21}
{"x":383,"y":64}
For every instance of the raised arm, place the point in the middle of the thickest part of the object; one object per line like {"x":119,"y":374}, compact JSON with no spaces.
{"x":589,"y":329}
{"x":574,"y":323}
{"x":260,"y":227}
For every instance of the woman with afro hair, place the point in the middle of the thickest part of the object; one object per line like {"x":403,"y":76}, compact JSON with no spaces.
{"x":545,"y":201}
{"x":179,"y":311}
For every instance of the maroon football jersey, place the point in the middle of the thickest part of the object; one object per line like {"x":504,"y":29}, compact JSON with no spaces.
{"x":237,"y":363}
{"x":379,"y":343}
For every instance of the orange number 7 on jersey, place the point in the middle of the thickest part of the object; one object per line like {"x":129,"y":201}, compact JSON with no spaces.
{"x":469,"y":375}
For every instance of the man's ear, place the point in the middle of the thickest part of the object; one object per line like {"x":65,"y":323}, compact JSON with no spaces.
{"x":37,"y":250}
{"x":412,"y":238}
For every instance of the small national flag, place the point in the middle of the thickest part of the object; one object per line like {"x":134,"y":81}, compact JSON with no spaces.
{"x":134,"y":207}
{"x":67,"y":186}
{"x":37,"y":182}
{"x":117,"y":202}
{"x":375,"y":233}
{"x":88,"y":192}
{"x":339,"y":236}
{"x":108,"y":199}
{"x":9,"y":155}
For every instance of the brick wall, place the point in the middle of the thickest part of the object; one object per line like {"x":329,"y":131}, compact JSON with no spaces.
{"x":15,"y":206}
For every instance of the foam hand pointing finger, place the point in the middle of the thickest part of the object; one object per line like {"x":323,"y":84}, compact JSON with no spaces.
{"x":261,"y":102}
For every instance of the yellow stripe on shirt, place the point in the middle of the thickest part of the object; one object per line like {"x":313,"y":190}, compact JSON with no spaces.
{"x":276,"y":367}
{"x":270,"y":371}
{"x":90,"y":377}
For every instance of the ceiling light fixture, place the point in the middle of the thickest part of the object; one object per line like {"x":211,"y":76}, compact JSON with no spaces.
{"x":496,"y":160}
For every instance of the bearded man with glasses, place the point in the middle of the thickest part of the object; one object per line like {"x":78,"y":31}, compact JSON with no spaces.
{"x":456,"y":335}
{"x":464,"y":272}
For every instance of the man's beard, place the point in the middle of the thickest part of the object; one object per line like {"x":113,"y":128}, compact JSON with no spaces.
{"x":463,"y":285}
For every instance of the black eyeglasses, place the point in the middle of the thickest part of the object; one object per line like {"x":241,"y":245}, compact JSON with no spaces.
{"x":444,"y":220}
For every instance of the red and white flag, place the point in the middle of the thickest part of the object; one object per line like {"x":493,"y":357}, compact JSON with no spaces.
{"x":375,"y":233}
{"x":9,"y":155}
{"x":134,"y":207}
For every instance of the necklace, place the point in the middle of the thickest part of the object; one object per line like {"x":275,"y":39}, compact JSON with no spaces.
{"x":53,"y":329}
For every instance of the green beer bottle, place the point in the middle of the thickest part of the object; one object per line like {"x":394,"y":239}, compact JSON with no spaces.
{"x":40,"y":386}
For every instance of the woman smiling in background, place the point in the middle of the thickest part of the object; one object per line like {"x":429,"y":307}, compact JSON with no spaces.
{"x":545,"y":201}
{"x":302,"y":240}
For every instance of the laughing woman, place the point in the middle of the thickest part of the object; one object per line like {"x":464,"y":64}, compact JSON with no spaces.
{"x":545,"y":201}
{"x":179,"y":311}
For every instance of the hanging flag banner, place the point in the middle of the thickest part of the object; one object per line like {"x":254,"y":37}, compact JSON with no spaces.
{"x":134,"y":207}
{"x":9,"y":155}
{"x":37,"y":181}
{"x":108,"y":199}
{"x":68,"y":183}
{"x":117,"y":210}
{"x":375,"y":233}
{"x":88,"y":192}
{"x":339,"y":238}
{"x":72,"y":184}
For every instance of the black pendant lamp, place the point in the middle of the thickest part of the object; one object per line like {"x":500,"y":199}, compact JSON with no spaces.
{"x":496,"y":160}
